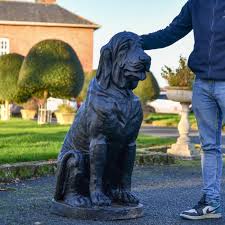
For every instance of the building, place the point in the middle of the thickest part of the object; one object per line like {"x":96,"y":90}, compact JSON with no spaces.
{"x":23,"y":24}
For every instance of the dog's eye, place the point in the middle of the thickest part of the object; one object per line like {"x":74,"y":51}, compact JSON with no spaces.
{"x":125,"y":47}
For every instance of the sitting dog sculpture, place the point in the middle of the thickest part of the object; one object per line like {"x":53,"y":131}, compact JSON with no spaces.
{"x":97,"y":158}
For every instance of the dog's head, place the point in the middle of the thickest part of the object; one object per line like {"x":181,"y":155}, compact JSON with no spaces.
{"x":123,"y":62}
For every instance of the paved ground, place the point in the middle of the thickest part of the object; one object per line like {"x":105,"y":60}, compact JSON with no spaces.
{"x":163,"y":131}
{"x":164,"y":191}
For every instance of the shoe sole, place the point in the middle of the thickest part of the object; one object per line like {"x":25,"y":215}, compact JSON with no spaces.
{"x":207,"y":216}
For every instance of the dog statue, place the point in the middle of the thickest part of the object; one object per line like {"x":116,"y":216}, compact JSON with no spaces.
{"x":97,"y":158}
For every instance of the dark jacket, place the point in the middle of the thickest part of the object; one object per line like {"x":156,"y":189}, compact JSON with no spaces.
{"x":207,"y":19}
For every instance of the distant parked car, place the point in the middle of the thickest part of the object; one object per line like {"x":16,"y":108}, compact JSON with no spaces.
{"x":163,"y":105}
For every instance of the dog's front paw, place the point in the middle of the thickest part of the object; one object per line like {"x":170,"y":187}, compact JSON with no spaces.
{"x":76,"y":200}
{"x":124,"y":196}
{"x":128,"y":198}
{"x":99,"y":199}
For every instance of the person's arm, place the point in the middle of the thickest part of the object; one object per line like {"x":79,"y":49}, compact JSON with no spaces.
{"x":180,"y":27}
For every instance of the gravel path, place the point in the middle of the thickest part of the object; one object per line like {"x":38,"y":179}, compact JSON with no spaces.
{"x":164,"y":191}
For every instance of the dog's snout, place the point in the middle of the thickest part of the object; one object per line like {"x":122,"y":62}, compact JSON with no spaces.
{"x":144,"y":58}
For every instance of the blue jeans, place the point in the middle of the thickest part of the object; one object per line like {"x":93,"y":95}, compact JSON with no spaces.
{"x":208,"y":104}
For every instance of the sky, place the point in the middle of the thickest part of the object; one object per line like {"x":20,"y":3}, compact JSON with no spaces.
{"x":141,"y":17}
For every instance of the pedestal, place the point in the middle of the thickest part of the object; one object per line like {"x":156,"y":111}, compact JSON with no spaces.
{"x":114,"y":212}
{"x":183,"y":148}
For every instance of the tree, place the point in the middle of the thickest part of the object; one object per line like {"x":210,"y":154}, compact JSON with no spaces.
{"x":148,"y":89}
{"x":51,"y":68}
{"x":87,"y":80}
{"x":180,"y":77}
{"x":10,"y":65}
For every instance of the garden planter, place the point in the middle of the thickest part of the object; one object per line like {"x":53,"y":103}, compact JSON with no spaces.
{"x":28,"y":114}
{"x":183,"y":148}
{"x":64,"y":118}
{"x":178,"y":94}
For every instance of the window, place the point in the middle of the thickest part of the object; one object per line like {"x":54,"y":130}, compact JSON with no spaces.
{"x":4,"y":46}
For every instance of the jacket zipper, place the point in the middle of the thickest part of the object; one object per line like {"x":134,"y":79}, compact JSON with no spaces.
{"x":212,"y":39}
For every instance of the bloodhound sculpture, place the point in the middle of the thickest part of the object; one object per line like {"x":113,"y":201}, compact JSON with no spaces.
{"x":97,"y":158}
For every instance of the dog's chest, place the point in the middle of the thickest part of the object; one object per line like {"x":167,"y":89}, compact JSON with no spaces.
{"x":125,"y":118}
{"x":126,"y":111}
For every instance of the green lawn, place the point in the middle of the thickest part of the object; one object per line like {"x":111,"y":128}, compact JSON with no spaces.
{"x":22,"y":141}
{"x":168,"y":120}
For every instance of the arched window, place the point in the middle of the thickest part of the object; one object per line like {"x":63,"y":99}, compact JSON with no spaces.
{"x":4,"y":46}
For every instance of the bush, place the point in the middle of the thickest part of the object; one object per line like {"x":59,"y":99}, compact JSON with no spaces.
{"x":64,"y":108}
{"x":51,"y":68}
{"x":87,"y":79}
{"x":181,"y":77}
{"x":148,"y":89}
{"x":31,"y":104}
{"x":10,"y":65}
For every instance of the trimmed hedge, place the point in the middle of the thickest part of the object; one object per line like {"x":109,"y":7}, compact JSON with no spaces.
{"x":148,"y":89}
{"x":51,"y":66}
{"x":87,"y":80}
{"x":10,"y":65}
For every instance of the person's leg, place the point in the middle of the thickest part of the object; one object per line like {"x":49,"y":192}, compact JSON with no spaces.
{"x":209,"y":119}
{"x":220,"y":98}
{"x":212,"y":165}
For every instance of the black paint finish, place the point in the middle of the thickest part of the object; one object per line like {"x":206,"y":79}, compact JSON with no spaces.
{"x":97,"y":158}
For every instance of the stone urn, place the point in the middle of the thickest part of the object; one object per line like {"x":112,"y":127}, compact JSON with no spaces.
{"x":64,"y":118}
{"x":28,"y":114}
{"x":183,"y":147}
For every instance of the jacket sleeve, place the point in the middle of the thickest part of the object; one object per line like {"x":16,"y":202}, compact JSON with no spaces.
{"x":178,"y":28}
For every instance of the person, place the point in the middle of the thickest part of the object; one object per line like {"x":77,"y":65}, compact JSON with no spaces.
{"x":207,"y":61}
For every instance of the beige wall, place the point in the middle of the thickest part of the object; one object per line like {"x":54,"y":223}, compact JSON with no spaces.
{"x":22,"y":38}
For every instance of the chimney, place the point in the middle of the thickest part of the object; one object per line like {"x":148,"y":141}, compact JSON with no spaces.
{"x":46,"y":1}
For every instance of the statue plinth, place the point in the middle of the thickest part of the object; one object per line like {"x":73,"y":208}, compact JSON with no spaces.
{"x":113,"y":212}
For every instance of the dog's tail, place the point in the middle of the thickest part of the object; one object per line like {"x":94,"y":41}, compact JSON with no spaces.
{"x":62,"y":174}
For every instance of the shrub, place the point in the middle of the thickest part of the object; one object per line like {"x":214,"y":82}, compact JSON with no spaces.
{"x":31,"y":104}
{"x":51,"y":68}
{"x":87,"y":79}
{"x":148,"y":89}
{"x":180,"y":77}
{"x":10,"y":65}
{"x":64,"y":108}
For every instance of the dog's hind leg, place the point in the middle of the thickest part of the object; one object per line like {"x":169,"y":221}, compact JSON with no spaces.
{"x":71,"y":187}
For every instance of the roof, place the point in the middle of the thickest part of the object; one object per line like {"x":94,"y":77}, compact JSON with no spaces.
{"x":24,"y":12}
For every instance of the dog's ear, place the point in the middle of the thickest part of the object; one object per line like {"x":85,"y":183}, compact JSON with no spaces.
{"x":104,"y":71}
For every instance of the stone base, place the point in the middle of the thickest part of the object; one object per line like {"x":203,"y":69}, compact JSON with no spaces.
{"x":114,"y":212}
{"x":184,"y":151}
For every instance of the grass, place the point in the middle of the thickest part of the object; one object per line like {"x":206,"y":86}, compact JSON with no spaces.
{"x":144,"y":141}
{"x":168,"y":120}
{"x":22,"y":141}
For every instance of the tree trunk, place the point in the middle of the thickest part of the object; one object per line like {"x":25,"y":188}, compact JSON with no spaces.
{"x":5,"y":111}
{"x":42,"y":111}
